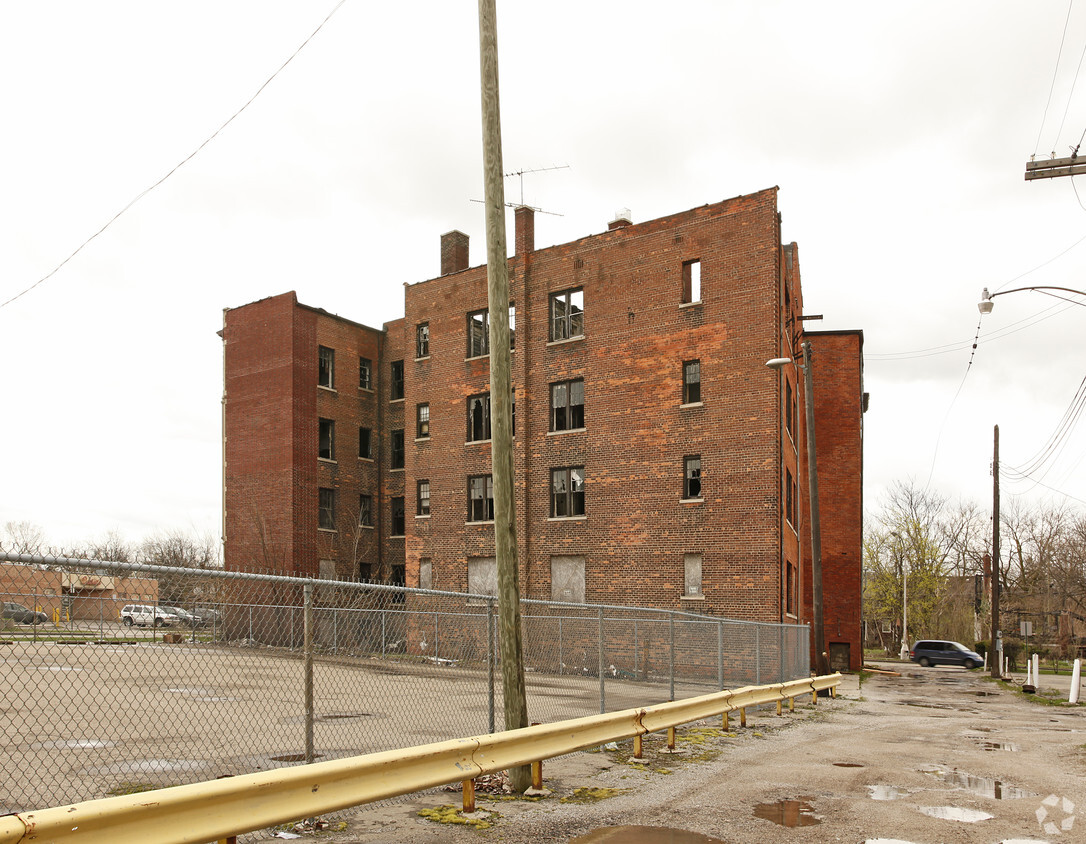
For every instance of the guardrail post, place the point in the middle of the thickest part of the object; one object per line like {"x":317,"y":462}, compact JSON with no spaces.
{"x":670,"y":738}
{"x":603,"y":700}
{"x":780,"y":708}
{"x":742,"y":716}
{"x":671,"y":652}
{"x":720,"y":658}
{"x":230,"y":839}
{"x":469,"y":796}
{"x":639,"y":746}
{"x":724,"y":725}
{"x":791,"y":704}
{"x":537,"y":774}
{"x":307,"y":616}
{"x":490,"y":661}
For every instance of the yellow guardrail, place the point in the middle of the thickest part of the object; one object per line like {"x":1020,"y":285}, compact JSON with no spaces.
{"x":218,"y":809}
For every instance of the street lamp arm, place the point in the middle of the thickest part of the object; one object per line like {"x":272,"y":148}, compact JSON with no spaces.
{"x":985,"y":304}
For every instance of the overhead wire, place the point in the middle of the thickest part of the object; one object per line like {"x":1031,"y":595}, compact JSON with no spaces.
{"x":180,"y":164}
{"x":1055,"y":69}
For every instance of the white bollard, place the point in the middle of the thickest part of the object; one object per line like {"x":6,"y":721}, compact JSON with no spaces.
{"x":1037,"y":670}
{"x":1076,"y":676}
{"x":985,"y":660}
{"x":1029,"y":665}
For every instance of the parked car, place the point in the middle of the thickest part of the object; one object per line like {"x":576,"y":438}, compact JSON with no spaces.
{"x":23,"y":615}
{"x":144,"y":615}
{"x":943,"y":652}
{"x":184,"y":616}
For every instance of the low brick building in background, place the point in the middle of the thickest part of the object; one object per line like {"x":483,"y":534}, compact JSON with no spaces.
{"x":658,"y":461}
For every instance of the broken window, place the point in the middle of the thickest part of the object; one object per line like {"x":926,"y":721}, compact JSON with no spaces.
{"x":399,"y":525}
{"x":479,"y":418}
{"x":567,"y":492}
{"x":481,"y":498}
{"x":326,"y":439}
{"x":567,"y":314}
{"x":326,"y":367}
{"x":365,"y":510}
{"x":691,"y":382}
{"x":692,"y":574}
{"x":397,"y":449}
{"x":478,"y":334}
{"x":692,"y":476}
{"x":422,"y":340}
{"x":396,"y":385}
{"x":365,"y":443}
{"x":567,"y":405}
{"x":423,"y":499}
{"x":326,"y":509}
{"x":692,"y":281}
{"x":365,"y":374}
{"x":422,"y":421}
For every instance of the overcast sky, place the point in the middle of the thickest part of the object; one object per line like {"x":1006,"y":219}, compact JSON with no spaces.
{"x":897,"y":133}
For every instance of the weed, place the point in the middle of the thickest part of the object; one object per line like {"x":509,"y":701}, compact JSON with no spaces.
{"x":447,"y":813}
{"x":592,"y":795}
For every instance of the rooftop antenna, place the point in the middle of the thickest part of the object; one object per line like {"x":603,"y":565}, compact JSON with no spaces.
{"x":520,"y":175}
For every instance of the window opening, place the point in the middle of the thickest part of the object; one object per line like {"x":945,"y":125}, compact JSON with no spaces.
{"x":365,"y":374}
{"x":691,"y":382}
{"x":692,"y":281}
{"x":396,"y":386}
{"x":365,"y":443}
{"x":326,"y":518}
{"x":423,"y":498}
{"x":567,"y":492}
{"x":692,"y":476}
{"x":478,"y":334}
{"x":422,"y":340}
{"x":326,"y":367}
{"x":326,"y":439}
{"x":399,"y":525}
{"x":481,"y":498}
{"x":397,"y":449}
{"x":365,"y":510}
{"x":567,"y":405}
{"x":422,"y":426}
{"x":692,"y":574}
{"x":567,"y":314}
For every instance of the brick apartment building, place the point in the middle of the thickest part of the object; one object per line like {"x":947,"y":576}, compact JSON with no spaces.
{"x":658,"y":461}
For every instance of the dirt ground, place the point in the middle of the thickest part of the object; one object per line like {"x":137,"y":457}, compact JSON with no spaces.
{"x":934,"y":755}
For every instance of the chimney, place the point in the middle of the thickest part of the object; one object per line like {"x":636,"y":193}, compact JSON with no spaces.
{"x":454,"y":252}
{"x":622,"y":219}
{"x":525,"y":233}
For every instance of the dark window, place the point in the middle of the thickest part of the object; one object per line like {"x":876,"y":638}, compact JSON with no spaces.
{"x":365,"y":374}
{"x":423,"y":499}
{"x":512,"y":326}
{"x":397,"y":449}
{"x":422,"y":421}
{"x":396,"y":387}
{"x":365,"y":572}
{"x":567,"y":492}
{"x":365,"y":510}
{"x":399,"y":524}
{"x":691,"y":382}
{"x":479,"y":418}
{"x":422,"y":340}
{"x":567,"y":405}
{"x":790,"y":590}
{"x":692,"y":281}
{"x":398,"y":578}
{"x":365,"y":443}
{"x":692,"y":476}
{"x":790,"y":498}
{"x":478,"y":334}
{"x":789,"y":409}
{"x":481,"y":498}
{"x":567,"y":314}
{"x":326,"y":367}
{"x":326,"y":439}
{"x":326,"y":518}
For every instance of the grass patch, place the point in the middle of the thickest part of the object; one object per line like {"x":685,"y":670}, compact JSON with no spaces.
{"x":592,"y":795}
{"x":447,"y":813}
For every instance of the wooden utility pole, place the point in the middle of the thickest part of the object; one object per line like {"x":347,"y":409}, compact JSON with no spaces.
{"x":995,"y":648}
{"x":501,"y":398}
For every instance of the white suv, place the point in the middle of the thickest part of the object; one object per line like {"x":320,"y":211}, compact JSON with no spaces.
{"x":144,"y":614}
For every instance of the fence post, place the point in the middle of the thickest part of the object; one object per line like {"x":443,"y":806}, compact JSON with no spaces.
{"x":490,"y":661}
{"x":603,"y":700}
{"x":671,"y":654}
{"x":720,"y":654}
{"x":307,"y":615}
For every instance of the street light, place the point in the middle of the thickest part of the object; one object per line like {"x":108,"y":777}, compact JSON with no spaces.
{"x":817,"y":627}
{"x":986,"y":304}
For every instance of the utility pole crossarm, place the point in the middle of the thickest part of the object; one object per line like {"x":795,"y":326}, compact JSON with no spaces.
{"x":1053,"y":168}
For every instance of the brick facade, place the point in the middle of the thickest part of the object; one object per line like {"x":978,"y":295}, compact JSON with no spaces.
{"x":644,"y":529}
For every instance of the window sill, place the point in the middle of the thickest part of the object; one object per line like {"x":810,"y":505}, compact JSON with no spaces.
{"x":477,"y":442}
{"x":794,"y":616}
{"x":566,"y":431}
{"x":692,"y":404}
{"x":365,"y":459}
{"x":565,"y":341}
{"x":691,"y":597}
{"x":424,"y":516}
{"x":327,"y":460}
{"x":397,"y":536}
{"x":396,"y":401}
{"x":327,"y":530}
{"x":327,"y":389}
{"x":691,"y":500}
{"x":476,"y":357}
{"x":362,"y":389}
{"x":566,"y":518}
{"x":487,"y":522}
{"x":400,"y":469}
{"x":422,"y":439}
{"x":694,"y":304}
{"x":367,"y":527}
{"x":424,"y":357}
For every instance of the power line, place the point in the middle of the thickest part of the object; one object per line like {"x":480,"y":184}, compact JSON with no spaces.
{"x":1052,"y":87}
{"x":179,"y":165}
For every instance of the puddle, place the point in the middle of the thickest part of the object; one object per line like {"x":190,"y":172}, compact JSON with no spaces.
{"x":1008,"y":746}
{"x":789,"y":813}
{"x":953,"y":813}
{"x":644,"y":835}
{"x":985,"y":786}
{"x":847,"y":765}
{"x":886,"y":792}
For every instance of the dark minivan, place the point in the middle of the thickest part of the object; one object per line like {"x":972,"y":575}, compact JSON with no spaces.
{"x":941,"y":652}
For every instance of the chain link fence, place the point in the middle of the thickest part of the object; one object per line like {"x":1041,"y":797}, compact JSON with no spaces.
{"x":124,"y":677}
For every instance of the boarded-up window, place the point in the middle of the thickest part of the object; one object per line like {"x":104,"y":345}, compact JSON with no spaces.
{"x":327,"y":569}
{"x":567,"y":579}
{"x":426,"y":574}
{"x":692,"y":570}
{"x":483,"y":576}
